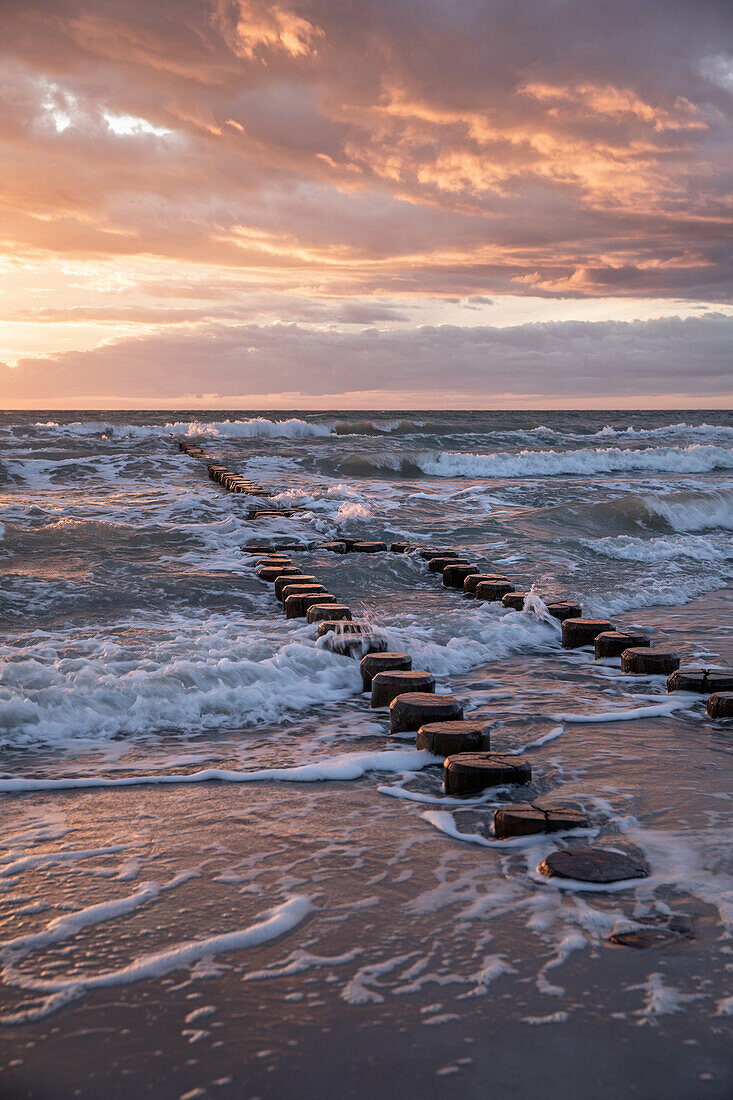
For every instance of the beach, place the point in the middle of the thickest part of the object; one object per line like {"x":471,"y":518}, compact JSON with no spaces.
{"x":222,"y":875}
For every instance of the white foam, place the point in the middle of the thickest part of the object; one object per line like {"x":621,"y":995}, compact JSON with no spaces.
{"x":571,"y":941}
{"x":256,"y":427}
{"x":359,"y":990}
{"x":299,"y":961}
{"x":696,"y":458}
{"x":627,"y":715}
{"x":660,"y":999}
{"x":431,"y":799}
{"x":222,"y":671}
{"x":59,"y":991}
{"x":492,"y":967}
{"x":12,"y":867}
{"x":662,"y":549}
{"x":62,"y":928}
{"x":693,"y":512}
{"x":560,"y":1017}
{"x":717,"y":431}
{"x":340,"y":768}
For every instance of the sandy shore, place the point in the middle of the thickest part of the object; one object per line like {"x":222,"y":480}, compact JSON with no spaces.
{"x":375,"y":953}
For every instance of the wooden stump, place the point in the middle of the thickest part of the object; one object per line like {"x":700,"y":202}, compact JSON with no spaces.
{"x":638,"y":662}
{"x":351,"y":639}
{"x":470,"y":583}
{"x":592,"y":865}
{"x":298,"y":587}
{"x":706,"y":681}
{"x":470,"y":772}
{"x":720,"y":705}
{"x":386,"y":686}
{"x":560,"y":818}
{"x":272,"y":572}
{"x":355,"y":645}
{"x":368,"y":547}
{"x":411,"y":710}
{"x":341,"y":626}
{"x":612,"y":643}
{"x":334,"y":547}
{"x":493,"y":591}
{"x":295,"y":578}
{"x":318,"y":612}
{"x":580,"y":632}
{"x":520,"y":819}
{"x":297,"y":606}
{"x":383,"y":662}
{"x":514,"y":600}
{"x":429,"y":552}
{"x":399,"y":547}
{"x":525,"y":819}
{"x":437,"y":565}
{"x":454,"y":575}
{"x":448,"y":738}
{"x":562,"y":610}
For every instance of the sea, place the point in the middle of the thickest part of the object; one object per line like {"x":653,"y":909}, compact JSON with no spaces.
{"x":205,"y":827}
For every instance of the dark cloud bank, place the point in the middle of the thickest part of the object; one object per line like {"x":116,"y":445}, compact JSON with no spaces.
{"x":569,"y":360}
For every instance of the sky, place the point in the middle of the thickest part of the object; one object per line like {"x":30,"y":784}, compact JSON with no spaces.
{"x":366,"y":204}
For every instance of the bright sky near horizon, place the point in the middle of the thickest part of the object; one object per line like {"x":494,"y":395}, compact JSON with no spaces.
{"x":379,"y":203}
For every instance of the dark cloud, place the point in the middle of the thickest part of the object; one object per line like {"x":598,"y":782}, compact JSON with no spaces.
{"x":570,"y":360}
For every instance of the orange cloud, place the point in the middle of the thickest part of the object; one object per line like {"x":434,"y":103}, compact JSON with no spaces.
{"x":616,"y":103}
{"x":252,"y":27}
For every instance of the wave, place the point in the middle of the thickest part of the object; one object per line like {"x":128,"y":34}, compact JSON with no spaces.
{"x":704,"y":431}
{"x":196,"y":675}
{"x":627,"y":548}
{"x":659,"y":513}
{"x":369,"y":427}
{"x":693,"y":511}
{"x":374,"y":465}
{"x":584,"y":462}
{"x":257,"y":427}
{"x":696,"y":458}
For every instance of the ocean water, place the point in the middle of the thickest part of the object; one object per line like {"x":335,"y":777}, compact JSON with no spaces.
{"x":148,"y":677}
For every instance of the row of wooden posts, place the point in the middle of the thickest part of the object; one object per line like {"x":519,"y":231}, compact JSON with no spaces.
{"x":437,"y":720}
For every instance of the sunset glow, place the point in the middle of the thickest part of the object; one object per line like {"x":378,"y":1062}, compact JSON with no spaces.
{"x":228,"y":202}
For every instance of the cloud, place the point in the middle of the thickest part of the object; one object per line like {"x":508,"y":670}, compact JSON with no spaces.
{"x":337,"y":167}
{"x":252,"y":27}
{"x":379,"y":145}
{"x":571,"y":362}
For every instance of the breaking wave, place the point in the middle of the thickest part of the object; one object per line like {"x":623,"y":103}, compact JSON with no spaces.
{"x":694,"y":459}
{"x":258,"y":427}
{"x":584,"y":462}
{"x":627,"y":548}
{"x":370,"y":427}
{"x":693,"y":511}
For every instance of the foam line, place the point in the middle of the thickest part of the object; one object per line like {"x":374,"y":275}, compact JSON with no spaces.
{"x":346,"y":766}
{"x":625,"y":715}
{"x":280,"y":920}
{"x":30,"y":863}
